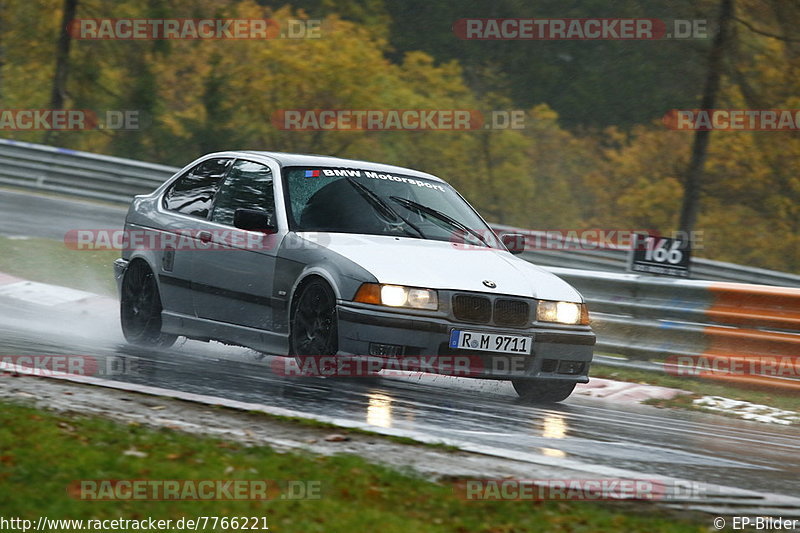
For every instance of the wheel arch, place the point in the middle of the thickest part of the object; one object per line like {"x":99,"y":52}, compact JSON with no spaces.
{"x":306,"y":278}
{"x":139,"y":257}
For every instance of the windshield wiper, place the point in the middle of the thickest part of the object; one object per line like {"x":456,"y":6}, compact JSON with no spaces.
{"x":382,"y":207}
{"x":447,"y":219}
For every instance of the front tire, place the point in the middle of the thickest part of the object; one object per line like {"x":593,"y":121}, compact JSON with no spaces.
{"x":543,"y":391}
{"x":140,"y":308}
{"x":314,"y":325}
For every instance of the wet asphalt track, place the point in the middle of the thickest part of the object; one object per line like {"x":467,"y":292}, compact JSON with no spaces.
{"x":694,"y":446}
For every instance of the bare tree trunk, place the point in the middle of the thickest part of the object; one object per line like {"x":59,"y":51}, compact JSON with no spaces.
{"x":694,"y":174}
{"x":59,"y":91}
{"x":496,"y":209}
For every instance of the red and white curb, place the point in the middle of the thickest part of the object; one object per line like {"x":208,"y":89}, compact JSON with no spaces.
{"x":625,"y":391}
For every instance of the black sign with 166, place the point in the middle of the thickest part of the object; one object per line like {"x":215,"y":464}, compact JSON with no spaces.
{"x":654,"y":254}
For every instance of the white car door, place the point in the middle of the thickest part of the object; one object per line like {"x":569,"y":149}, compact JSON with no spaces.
{"x":187,"y":202}
{"x":232,"y":280}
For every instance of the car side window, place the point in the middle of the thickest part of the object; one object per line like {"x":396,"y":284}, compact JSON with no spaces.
{"x":248,"y":186}
{"x":192,"y":193}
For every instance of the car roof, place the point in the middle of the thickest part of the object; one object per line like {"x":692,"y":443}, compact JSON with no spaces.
{"x":314,"y":160}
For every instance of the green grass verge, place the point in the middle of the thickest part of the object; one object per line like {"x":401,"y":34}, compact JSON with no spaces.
{"x":779,"y":398}
{"x":42,"y":453}
{"x":50,"y":261}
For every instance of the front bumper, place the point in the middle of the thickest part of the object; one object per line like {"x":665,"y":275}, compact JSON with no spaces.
{"x":559,"y":352}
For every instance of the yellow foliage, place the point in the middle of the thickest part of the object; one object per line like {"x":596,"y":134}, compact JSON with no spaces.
{"x":223,"y":94}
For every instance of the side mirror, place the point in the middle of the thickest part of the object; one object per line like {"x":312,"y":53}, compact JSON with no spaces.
{"x":255,"y":220}
{"x":515,"y":242}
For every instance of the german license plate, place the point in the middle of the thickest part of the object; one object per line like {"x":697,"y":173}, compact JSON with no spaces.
{"x":490,"y":342}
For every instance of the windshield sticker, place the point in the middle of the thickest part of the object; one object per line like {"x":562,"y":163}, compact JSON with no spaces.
{"x":352,"y":173}
{"x":345,"y":172}
{"x":312,"y":173}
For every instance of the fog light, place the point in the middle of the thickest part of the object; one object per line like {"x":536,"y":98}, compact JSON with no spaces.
{"x":385,"y":350}
{"x":549,"y":365}
{"x":571,"y":367}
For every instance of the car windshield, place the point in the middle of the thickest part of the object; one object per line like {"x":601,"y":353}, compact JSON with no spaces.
{"x":347,"y":200}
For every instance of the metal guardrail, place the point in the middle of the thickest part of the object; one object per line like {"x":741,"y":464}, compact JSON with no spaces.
{"x":114,"y":179}
{"x":573,"y":253}
{"x":727,"y":331}
{"x":641,"y":317}
{"x":46,"y":168}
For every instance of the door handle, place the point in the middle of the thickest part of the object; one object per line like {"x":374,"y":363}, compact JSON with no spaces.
{"x":204,"y":236}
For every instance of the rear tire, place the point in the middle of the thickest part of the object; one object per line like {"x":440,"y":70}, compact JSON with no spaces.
{"x":140,"y":308}
{"x":543,"y":391}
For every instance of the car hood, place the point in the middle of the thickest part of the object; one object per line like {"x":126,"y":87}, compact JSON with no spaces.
{"x":444,"y":265}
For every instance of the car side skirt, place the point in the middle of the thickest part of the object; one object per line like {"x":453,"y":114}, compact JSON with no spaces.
{"x":203,"y":329}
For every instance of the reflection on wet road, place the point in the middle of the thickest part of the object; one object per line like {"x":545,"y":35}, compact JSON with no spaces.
{"x":640,"y":438}
{"x":693,"y":446}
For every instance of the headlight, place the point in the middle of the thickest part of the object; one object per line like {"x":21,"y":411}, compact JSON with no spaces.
{"x":397,"y":296}
{"x":562,"y":312}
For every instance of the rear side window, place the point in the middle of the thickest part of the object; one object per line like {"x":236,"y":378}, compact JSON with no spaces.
{"x":192,"y":193}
